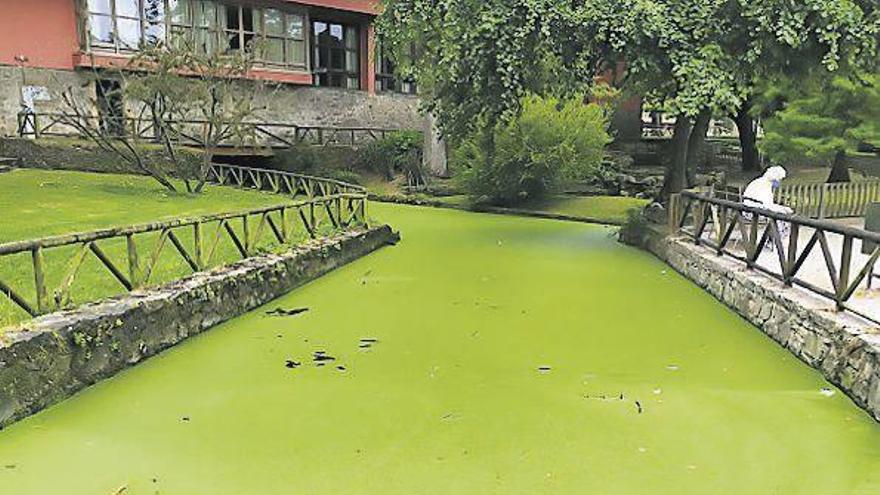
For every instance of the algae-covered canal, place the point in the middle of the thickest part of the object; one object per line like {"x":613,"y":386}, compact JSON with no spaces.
{"x":450,"y":398}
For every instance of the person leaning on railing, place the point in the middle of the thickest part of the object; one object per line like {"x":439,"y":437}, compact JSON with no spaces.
{"x":759,"y":194}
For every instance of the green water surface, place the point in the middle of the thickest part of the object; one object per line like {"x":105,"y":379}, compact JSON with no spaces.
{"x":451,"y":398}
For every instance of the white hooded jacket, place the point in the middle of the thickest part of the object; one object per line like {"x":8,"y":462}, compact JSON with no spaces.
{"x":759,"y":192}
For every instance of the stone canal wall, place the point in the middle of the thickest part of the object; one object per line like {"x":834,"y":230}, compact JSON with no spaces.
{"x":51,"y":357}
{"x":842,"y":346}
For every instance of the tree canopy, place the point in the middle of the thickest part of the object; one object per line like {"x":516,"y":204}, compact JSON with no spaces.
{"x":823,"y":119}
{"x":476,"y":59}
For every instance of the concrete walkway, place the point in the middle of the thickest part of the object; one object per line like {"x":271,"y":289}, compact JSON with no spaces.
{"x":815,"y":271}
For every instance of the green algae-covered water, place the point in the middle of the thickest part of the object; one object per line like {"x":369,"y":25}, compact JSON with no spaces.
{"x":482,"y":355}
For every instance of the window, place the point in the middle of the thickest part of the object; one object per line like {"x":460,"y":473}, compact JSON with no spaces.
{"x":240,"y":28}
{"x":206,"y":25}
{"x":336,"y":57}
{"x":124,"y":25}
{"x":285,"y":38}
{"x":211,"y":26}
{"x":387,"y":78}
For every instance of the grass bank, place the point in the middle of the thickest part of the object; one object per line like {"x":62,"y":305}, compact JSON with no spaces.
{"x":610,"y":210}
{"x":39,"y":203}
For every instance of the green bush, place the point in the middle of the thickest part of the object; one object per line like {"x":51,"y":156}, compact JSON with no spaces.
{"x":551,"y":142}
{"x":399,"y":152}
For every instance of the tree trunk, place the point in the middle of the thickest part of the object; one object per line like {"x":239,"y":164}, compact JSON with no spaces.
{"x":695,"y":145}
{"x":676,"y":171}
{"x":840,"y":168}
{"x":748,"y":138}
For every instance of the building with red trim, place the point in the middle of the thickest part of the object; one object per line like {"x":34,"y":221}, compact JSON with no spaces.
{"x":322,"y":53}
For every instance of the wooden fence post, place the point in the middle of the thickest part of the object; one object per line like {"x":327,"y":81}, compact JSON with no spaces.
{"x":39,"y":280}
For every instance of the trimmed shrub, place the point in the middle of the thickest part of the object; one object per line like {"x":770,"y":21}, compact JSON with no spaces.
{"x":551,"y":142}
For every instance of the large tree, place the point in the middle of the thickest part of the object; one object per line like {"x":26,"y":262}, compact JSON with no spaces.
{"x":822,"y":119}
{"x":477,"y":59}
{"x":773,"y":39}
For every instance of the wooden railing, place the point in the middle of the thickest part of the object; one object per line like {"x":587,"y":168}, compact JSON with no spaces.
{"x":258,"y":134}
{"x":821,"y":200}
{"x":741,"y":232}
{"x":132,"y":255}
{"x":278,"y":182}
{"x":837,"y":200}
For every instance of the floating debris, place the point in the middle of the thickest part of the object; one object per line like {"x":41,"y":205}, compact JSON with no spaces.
{"x":827,"y":392}
{"x":451,"y":416}
{"x":672,"y":367}
{"x":366,"y":343}
{"x":286,"y":312}
{"x":292,"y":364}
{"x":341,"y":368}
{"x":658,"y":391}
{"x":604,"y":397}
{"x":639,"y":406}
{"x":185,"y":418}
{"x":322,"y":357}
{"x":544,"y":369}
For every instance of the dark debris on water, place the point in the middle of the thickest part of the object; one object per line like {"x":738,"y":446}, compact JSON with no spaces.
{"x":322,"y":357}
{"x":286,"y":312}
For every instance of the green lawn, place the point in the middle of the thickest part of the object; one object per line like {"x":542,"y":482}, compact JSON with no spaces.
{"x":38,"y":203}
{"x":609,"y":209}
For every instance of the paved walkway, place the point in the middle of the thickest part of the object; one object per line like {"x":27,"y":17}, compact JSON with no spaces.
{"x":815,"y":271}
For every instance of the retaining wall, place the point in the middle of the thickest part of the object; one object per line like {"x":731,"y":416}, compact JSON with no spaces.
{"x":842,"y":346}
{"x":51,"y":357}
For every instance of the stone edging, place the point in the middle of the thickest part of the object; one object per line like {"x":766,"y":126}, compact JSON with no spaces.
{"x":497,"y":210}
{"x":51,"y":357}
{"x":843,"y":347}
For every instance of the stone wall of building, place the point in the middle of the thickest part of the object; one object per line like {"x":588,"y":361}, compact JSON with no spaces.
{"x":55,"y":81}
{"x":842,"y":346}
{"x":51,"y":357}
{"x":286,"y":103}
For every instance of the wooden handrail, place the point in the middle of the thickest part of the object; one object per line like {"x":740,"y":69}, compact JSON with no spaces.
{"x":101,"y":234}
{"x":713,"y":222}
{"x":35,"y":124}
{"x":332,"y":202}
